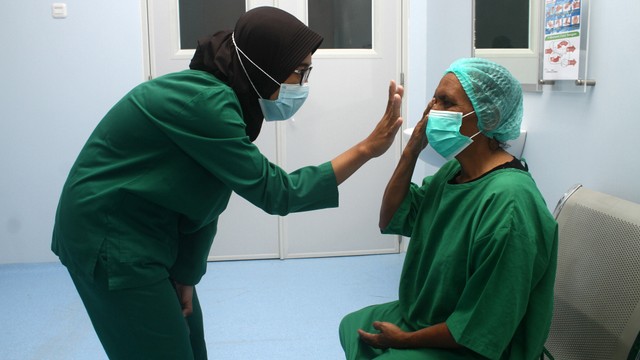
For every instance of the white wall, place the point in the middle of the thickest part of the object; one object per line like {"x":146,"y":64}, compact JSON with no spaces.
{"x":59,"y":76}
{"x":592,"y":138}
{"x":439,"y":33}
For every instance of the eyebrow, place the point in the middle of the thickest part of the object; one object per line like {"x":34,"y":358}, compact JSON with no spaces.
{"x":445,"y":94}
{"x":442,"y":96}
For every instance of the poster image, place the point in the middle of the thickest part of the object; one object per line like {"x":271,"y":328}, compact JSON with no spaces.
{"x":562,"y":40}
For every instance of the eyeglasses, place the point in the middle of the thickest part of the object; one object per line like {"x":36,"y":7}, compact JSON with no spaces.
{"x":303,"y":73}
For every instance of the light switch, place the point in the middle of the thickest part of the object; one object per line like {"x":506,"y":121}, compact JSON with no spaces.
{"x":59,"y":10}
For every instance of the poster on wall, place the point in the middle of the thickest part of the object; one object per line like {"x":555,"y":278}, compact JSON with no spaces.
{"x":561,"y":40}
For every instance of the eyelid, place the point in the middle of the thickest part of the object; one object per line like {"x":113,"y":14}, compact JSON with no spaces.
{"x":444,"y":101}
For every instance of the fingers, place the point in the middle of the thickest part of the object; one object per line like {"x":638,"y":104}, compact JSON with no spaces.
{"x":392,"y":88}
{"x":422,"y":124}
{"x":187,"y":309}
{"x":391,"y":95}
{"x":186,"y":300}
{"x":397,"y":104}
{"x":428,"y":108}
{"x":368,"y":338}
{"x":185,"y":296}
{"x":374,"y":340}
{"x":395,"y":94}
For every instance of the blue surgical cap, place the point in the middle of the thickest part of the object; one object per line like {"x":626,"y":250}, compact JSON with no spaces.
{"x":495,"y":94}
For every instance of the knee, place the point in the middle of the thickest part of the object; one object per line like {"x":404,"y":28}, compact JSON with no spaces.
{"x":348,"y":327}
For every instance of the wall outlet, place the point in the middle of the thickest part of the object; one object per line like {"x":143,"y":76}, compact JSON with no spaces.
{"x":59,"y":10}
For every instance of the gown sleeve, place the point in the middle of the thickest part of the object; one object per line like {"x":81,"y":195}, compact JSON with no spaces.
{"x":211,"y":131}
{"x":404,"y":218}
{"x":193,"y":251}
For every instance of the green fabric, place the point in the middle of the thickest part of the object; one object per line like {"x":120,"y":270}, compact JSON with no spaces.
{"x":389,"y":312}
{"x":142,"y":323}
{"x":157,"y":172}
{"x":634,"y":353}
{"x":482,"y":258}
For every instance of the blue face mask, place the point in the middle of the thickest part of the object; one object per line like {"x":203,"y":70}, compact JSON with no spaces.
{"x":289,"y":101}
{"x":290,"y":98}
{"x":443,"y":133}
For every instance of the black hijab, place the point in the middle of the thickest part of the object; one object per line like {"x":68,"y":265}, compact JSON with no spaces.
{"x":273,"y":39}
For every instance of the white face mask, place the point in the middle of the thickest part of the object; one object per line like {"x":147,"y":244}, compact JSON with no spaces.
{"x":290,"y":98}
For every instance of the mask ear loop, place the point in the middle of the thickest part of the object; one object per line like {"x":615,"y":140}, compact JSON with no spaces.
{"x":238,"y":52}
{"x":467,"y":114}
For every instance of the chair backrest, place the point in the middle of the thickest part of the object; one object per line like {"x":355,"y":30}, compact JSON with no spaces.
{"x":597,"y":289}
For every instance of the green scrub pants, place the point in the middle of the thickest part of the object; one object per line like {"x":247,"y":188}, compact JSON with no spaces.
{"x":144,"y":322}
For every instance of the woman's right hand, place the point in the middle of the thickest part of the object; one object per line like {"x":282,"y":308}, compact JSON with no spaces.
{"x":379,"y":141}
{"x":383,"y":135}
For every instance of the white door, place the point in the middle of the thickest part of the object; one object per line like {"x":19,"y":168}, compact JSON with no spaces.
{"x":347,"y":98}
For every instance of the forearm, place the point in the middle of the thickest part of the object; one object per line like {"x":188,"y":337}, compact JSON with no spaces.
{"x":391,"y":336}
{"x":397,"y":188}
{"x":347,"y":163}
{"x":436,"y":336}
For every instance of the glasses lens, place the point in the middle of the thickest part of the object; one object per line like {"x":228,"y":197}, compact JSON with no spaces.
{"x":304,"y":74}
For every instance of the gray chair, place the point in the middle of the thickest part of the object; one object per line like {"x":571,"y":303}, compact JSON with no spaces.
{"x":597,"y":289}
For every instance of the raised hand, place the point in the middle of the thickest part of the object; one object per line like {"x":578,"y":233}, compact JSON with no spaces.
{"x":383,"y":135}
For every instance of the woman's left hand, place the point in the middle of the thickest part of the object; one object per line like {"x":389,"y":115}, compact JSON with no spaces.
{"x":390,"y":336}
{"x":418,"y":140}
{"x":185,"y":296}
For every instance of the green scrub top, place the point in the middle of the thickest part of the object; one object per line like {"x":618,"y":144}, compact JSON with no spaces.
{"x":482,"y":258}
{"x":147,"y":188}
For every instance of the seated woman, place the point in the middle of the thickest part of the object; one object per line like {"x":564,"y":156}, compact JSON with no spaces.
{"x":479,"y":272}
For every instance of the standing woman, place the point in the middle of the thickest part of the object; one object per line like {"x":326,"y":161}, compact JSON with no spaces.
{"x":139,"y":210}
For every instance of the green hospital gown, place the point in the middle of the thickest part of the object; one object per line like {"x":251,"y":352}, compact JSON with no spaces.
{"x":149,"y":185}
{"x":482,"y":258}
